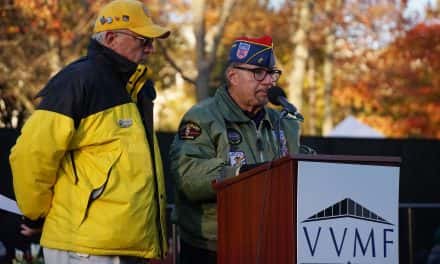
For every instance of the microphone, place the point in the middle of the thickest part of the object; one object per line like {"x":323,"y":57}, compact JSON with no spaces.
{"x":277,"y":96}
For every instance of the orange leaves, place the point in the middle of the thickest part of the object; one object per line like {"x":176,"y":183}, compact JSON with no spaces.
{"x":400,"y":92}
{"x":12,"y":29}
{"x":46,"y":9}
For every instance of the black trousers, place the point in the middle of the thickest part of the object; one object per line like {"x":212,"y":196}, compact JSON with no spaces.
{"x":194,"y":255}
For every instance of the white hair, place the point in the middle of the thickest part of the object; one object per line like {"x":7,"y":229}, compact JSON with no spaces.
{"x":229,"y":68}
{"x":100,"y":36}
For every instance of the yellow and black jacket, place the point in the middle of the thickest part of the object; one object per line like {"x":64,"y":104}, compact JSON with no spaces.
{"x":88,"y":160}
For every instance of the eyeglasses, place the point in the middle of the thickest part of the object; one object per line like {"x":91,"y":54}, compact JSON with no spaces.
{"x":261,"y":73}
{"x":145,"y":42}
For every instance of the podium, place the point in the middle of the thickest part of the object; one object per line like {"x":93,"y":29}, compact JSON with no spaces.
{"x":257,"y":210}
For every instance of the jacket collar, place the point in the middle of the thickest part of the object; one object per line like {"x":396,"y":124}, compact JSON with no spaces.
{"x":231,"y":111}
{"x":118,"y":62}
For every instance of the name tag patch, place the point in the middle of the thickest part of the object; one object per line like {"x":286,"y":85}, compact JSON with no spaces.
{"x":237,"y":158}
{"x":124,"y":123}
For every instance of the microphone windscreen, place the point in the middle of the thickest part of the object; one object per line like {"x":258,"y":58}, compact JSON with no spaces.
{"x":274,"y":93}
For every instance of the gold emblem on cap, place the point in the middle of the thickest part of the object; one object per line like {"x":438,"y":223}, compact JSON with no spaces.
{"x":104,"y":20}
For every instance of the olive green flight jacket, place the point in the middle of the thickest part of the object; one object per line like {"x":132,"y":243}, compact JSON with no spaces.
{"x":215,"y":137}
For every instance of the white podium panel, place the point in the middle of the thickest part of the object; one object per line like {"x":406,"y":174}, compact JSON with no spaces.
{"x":347,"y":213}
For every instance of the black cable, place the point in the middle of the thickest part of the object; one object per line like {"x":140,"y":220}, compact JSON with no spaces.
{"x":262,"y":212}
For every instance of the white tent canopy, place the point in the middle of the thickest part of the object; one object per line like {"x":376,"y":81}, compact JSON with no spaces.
{"x":351,"y":127}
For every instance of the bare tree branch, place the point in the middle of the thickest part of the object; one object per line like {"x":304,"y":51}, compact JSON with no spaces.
{"x":198,"y":11}
{"x":224,"y":16}
{"x":173,"y":64}
{"x":18,"y":93}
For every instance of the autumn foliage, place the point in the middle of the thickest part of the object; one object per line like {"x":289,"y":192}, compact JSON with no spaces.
{"x":399,"y":94}
{"x":360,"y":58}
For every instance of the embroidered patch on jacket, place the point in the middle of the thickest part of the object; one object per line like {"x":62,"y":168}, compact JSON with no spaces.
{"x":282,"y":141}
{"x":234,"y":137}
{"x":124,"y":123}
{"x":189,"y":131}
{"x":237,"y":157}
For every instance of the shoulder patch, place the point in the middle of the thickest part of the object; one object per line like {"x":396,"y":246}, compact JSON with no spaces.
{"x":189,"y":131}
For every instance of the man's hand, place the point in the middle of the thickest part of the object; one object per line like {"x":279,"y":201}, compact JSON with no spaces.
{"x":27,"y":231}
{"x":29,"y":228}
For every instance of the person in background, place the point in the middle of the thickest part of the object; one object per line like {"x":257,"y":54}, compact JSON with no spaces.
{"x":434,"y":254}
{"x":16,"y":232}
{"x":87,"y":160}
{"x":222,"y":134}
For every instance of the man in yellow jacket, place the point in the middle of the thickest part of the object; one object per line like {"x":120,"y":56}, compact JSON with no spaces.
{"x":87,"y":161}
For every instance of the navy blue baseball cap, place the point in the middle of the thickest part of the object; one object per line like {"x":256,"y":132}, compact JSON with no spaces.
{"x":255,"y":51}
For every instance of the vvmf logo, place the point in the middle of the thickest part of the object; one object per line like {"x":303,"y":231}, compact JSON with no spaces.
{"x":346,"y":233}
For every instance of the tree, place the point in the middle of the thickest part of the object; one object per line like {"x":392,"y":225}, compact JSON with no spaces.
{"x":400,"y":94}
{"x":34,"y":46}
{"x":199,"y":48}
{"x":338,"y":35}
{"x":207,"y":41}
{"x":206,"y":54}
{"x":301,"y":51}
{"x":330,"y":53}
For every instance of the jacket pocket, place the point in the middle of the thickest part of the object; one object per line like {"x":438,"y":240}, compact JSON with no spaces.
{"x":93,"y":174}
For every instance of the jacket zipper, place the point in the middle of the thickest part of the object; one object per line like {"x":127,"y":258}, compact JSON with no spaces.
{"x":260,"y":145}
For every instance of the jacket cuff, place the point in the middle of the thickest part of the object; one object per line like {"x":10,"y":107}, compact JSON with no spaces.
{"x":34,"y":224}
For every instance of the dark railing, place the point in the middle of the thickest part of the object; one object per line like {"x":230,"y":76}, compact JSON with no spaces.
{"x":419,"y":213}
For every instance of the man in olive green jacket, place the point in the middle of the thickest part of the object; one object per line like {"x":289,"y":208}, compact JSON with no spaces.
{"x":220,"y":135}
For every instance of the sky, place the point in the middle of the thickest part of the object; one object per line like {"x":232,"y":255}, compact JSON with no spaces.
{"x":417,"y":6}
